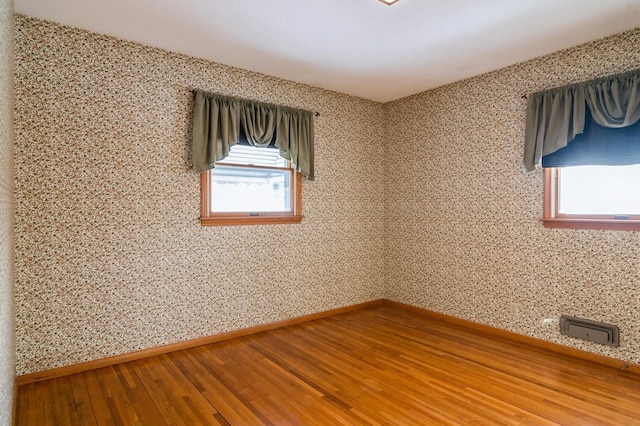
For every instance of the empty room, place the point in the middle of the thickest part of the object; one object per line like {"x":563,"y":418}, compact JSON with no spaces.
{"x":320,"y":212}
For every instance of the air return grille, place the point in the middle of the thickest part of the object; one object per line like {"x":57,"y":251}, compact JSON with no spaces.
{"x":597,"y":332}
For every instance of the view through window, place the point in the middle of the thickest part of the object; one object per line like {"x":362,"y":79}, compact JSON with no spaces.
{"x":252,"y":185}
{"x":599,"y":190}
{"x":256,"y":180}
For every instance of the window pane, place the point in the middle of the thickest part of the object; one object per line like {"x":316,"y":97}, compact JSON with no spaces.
{"x":251,"y":155}
{"x":244,"y":189}
{"x":607,"y":190}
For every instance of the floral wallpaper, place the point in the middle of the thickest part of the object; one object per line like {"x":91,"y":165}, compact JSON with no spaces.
{"x":463,"y":235}
{"x":421,"y":200}
{"x":111,"y":256}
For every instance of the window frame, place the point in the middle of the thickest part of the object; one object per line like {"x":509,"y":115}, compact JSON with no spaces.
{"x":210,"y":218}
{"x":552,"y":219}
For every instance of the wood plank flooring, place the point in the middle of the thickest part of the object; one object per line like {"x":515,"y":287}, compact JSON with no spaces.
{"x":378,"y":366}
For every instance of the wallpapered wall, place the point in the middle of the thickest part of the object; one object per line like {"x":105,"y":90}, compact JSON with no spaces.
{"x":7,"y":323}
{"x":420,"y":200}
{"x":463,"y":233}
{"x":111,"y":257}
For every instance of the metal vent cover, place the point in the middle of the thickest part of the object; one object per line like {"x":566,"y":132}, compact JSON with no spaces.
{"x":598,"y":332}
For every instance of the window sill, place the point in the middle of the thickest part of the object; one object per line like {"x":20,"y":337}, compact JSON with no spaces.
{"x":249,"y":220}
{"x":591,"y":223}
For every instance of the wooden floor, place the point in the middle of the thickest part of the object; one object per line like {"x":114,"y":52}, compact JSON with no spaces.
{"x":374,"y":366}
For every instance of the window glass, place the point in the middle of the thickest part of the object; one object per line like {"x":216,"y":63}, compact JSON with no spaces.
{"x":252,"y":185}
{"x":600,"y":190}
{"x":246,"y":189}
{"x":256,"y":156}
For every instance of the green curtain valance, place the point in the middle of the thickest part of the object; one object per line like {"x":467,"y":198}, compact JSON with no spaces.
{"x":216,"y":128}
{"x":556,"y":116}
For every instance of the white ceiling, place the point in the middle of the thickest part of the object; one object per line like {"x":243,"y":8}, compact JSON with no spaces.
{"x":359,"y":47}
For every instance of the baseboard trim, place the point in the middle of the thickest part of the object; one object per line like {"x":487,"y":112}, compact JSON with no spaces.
{"x":173,"y":347}
{"x":626,"y":366}
{"x":435,"y":316}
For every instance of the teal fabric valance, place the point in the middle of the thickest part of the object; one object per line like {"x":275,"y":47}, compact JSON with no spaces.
{"x":556,"y":116}
{"x":216,"y":128}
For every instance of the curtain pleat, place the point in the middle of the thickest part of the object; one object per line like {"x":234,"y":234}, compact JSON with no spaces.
{"x":259,"y":123}
{"x":556,"y":116}
{"x":216,"y":127}
{"x":294,"y":139}
{"x":615,"y":102}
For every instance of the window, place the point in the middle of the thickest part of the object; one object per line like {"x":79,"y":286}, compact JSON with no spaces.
{"x":592,"y":197}
{"x":587,"y":138}
{"x":251,"y":186}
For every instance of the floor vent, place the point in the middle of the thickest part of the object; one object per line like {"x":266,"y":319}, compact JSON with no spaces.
{"x":598,"y":332}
